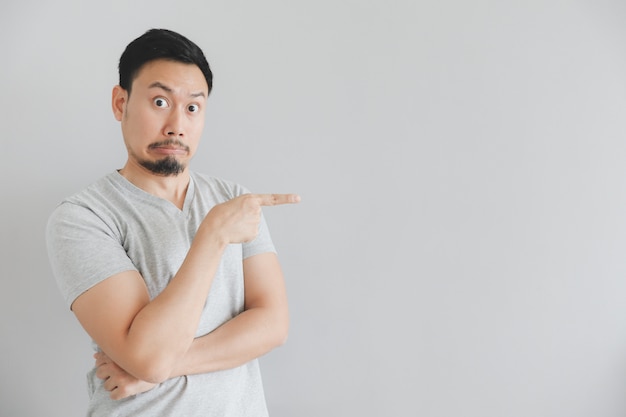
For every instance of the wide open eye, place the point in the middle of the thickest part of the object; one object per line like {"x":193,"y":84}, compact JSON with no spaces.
{"x":160,"y":102}
{"x":193,"y":108}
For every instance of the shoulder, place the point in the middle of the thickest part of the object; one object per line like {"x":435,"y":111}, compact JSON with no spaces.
{"x":101,"y":190}
{"x":93,"y":202}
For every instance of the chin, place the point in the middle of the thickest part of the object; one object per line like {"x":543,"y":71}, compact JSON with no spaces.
{"x":166,"y":167}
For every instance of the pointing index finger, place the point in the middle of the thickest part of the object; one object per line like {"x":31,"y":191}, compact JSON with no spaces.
{"x":278,"y":199}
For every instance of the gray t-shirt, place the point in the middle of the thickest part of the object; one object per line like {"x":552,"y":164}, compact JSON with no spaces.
{"x":112,"y":226}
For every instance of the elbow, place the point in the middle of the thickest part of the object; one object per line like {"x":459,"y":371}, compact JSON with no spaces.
{"x":278,"y":340}
{"x":275,"y":333}
{"x":281,"y":341}
{"x":152,"y":369}
{"x":281,"y":334}
{"x":154,"y":376}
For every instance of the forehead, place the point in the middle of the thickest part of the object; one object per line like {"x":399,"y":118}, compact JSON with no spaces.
{"x":180,"y":77}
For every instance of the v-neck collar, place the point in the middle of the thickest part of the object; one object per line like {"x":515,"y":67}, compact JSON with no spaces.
{"x":144,"y":195}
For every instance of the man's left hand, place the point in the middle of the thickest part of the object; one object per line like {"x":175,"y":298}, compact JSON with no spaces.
{"x":117,"y":381}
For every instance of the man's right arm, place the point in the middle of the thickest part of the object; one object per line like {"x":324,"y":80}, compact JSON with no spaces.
{"x":147,"y":338}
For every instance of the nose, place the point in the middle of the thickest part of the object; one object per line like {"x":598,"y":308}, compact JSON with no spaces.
{"x":174,"y":125}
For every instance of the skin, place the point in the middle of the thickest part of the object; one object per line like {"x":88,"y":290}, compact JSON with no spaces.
{"x":145,"y":342}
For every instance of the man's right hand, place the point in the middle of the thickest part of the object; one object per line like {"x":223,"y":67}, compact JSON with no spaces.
{"x":237,"y":220}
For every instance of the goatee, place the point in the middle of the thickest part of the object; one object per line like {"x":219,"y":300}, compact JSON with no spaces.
{"x":165,"y":167}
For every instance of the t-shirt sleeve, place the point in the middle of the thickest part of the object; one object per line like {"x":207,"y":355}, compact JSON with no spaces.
{"x":83,"y":250}
{"x":261,"y":244}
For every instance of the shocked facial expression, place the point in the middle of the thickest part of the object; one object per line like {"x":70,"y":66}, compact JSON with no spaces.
{"x":162,"y":117}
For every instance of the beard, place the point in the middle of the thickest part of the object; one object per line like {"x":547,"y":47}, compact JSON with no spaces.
{"x":166,"y":167}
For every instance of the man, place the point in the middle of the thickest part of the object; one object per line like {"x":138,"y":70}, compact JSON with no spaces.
{"x":172,"y":273}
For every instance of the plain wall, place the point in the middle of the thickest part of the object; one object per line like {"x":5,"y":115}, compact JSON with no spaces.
{"x":460,"y":247}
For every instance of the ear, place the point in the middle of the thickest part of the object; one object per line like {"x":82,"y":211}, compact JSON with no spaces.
{"x":119,"y":98}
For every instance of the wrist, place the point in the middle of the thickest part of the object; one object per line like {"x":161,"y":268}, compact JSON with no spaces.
{"x":210,"y":238}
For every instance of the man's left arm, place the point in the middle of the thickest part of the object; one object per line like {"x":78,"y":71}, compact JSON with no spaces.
{"x":261,"y":327}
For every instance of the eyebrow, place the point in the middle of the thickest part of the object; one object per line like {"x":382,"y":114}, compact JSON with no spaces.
{"x":167,"y":89}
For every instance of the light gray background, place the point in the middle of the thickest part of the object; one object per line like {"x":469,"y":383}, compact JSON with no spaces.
{"x":460,"y":248}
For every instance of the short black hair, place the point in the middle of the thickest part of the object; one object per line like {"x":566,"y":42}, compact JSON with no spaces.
{"x":160,"y":44}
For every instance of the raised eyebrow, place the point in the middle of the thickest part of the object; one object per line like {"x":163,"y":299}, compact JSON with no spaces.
{"x":167,"y":89}
{"x":162,"y":86}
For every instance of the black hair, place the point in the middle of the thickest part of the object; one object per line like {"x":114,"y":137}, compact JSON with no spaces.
{"x":160,"y":44}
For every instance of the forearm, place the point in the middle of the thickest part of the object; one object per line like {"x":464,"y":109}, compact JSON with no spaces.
{"x":249,"y":335}
{"x":233,"y":344}
{"x":164,"y":329}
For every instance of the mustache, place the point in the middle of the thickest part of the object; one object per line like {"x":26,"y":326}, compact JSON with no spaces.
{"x":169,"y":142}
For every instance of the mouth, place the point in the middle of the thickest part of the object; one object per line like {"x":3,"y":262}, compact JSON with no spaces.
{"x":169,"y":147}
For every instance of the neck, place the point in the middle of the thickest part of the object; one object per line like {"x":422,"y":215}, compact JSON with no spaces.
{"x":172,"y":188}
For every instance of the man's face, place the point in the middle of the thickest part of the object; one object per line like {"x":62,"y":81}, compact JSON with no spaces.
{"x":163,"y":117}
